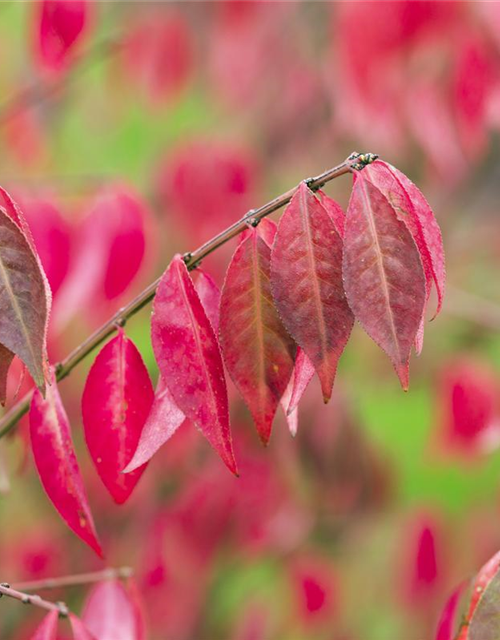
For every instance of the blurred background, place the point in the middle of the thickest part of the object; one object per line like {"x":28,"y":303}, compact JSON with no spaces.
{"x":162,"y":124}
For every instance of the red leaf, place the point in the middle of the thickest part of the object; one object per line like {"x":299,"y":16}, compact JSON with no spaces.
{"x":163,"y":421}
{"x":57,"y":466}
{"x":80,"y":631}
{"x":258,"y":352}
{"x":485,"y":617}
{"x":306,"y":279}
{"x":111,"y":613}
{"x":116,"y":401}
{"x":24,"y":299}
{"x":189,"y":358}
{"x":61,"y":23}
{"x":412,"y":208}
{"x":335,"y":212}
{"x":48,"y":629}
{"x":383,"y":276}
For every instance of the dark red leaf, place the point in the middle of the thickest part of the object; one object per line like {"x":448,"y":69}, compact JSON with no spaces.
{"x":413,"y":210}
{"x":189,"y":358}
{"x":24,"y":299}
{"x":383,"y":275}
{"x":57,"y":465}
{"x":6,"y":358}
{"x":48,"y":629}
{"x":111,"y":613}
{"x":306,"y":279}
{"x":61,"y":23}
{"x":116,"y":401}
{"x":258,"y":351}
{"x":163,"y":421}
{"x":80,"y":631}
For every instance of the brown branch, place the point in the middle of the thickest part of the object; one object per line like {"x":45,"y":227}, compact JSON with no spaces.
{"x":355,"y":161}
{"x":75,"y":580}
{"x":26,"y":598}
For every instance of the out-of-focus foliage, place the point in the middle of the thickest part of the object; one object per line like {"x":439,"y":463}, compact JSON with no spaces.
{"x":166,"y":123}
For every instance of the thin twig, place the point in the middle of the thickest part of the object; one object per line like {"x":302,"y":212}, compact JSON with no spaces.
{"x":355,"y":161}
{"x":26,"y":598}
{"x":76,"y":579}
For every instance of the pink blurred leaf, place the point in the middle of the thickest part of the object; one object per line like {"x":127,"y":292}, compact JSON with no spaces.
{"x":116,"y":401}
{"x":258,"y":351}
{"x":110,"y":252}
{"x":111,"y":613}
{"x":48,"y":629}
{"x":162,"y":422}
{"x":292,"y":417}
{"x":158,"y":53}
{"x":306,"y":280}
{"x":189,"y":358}
{"x":60,"y":26}
{"x":80,"y":631}
{"x":448,"y":620}
{"x":57,"y":466}
{"x":383,"y":275}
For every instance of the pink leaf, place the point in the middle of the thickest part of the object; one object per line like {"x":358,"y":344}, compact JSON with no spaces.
{"x":57,"y":466}
{"x":80,"y":631}
{"x":163,"y":421}
{"x":61,"y":24}
{"x":189,"y":358}
{"x":258,"y":351}
{"x":292,"y":417}
{"x":302,"y":376}
{"x":48,"y":629}
{"x":306,"y":280}
{"x":383,"y":275}
{"x":110,"y":613}
{"x":116,"y":402}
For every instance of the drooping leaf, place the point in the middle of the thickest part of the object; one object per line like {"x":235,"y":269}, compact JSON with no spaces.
{"x":189,"y":358}
{"x":302,"y":376}
{"x":24,"y":304}
{"x":162,"y":422}
{"x":57,"y":466}
{"x":48,"y":629}
{"x":383,"y":275}
{"x":258,"y":351}
{"x":413,"y":210}
{"x":116,"y":401}
{"x":306,"y":280}
{"x":292,"y":417}
{"x":335,"y":212}
{"x":80,"y":631}
{"x":111,"y":613}
{"x":61,"y":23}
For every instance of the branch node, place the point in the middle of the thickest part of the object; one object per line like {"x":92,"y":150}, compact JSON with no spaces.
{"x":63,"y":609}
{"x":249,"y":219}
{"x":26,"y":600}
{"x":5,"y":585}
{"x":362,"y":160}
{"x":187,"y":257}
